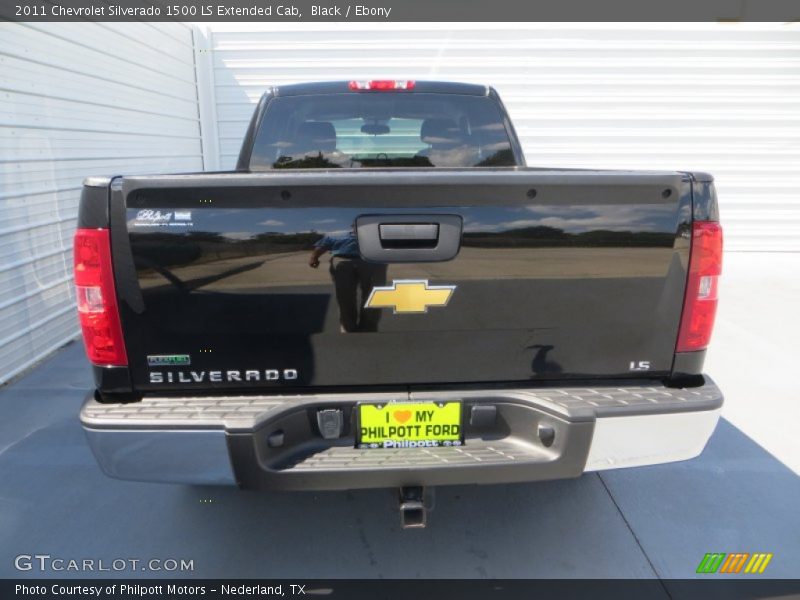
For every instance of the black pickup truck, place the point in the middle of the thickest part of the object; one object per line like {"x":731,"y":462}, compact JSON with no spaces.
{"x":382,"y":294}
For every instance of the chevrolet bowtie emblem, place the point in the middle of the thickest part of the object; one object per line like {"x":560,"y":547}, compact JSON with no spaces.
{"x":410,"y":296}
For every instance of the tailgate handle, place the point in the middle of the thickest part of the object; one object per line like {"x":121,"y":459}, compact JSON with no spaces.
{"x":409,"y":238}
{"x":409,"y":233}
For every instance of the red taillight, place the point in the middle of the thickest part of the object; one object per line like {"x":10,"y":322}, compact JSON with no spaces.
{"x":382,"y":85}
{"x":97,"y":300}
{"x":700,"y":303}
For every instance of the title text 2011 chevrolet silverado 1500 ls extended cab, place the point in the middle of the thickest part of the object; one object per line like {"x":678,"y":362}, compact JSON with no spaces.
{"x":383,"y":294}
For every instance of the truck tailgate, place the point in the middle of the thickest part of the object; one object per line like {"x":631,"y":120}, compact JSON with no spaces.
{"x":559,"y":274}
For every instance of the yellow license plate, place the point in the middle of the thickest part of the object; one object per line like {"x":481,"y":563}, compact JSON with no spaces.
{"x":409,"y":425}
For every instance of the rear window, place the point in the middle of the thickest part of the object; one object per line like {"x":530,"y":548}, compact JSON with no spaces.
{"x":359,"y":130}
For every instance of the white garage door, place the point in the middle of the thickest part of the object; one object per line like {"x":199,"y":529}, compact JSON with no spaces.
{"x":723,"y":98}
{"x":77,"y":100}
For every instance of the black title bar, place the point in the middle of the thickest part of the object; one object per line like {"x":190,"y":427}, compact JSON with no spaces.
{"x":400,"y":10}
{"x":714,"y":587}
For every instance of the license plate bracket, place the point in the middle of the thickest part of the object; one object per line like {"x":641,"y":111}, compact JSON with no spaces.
{"x":409,"y":424}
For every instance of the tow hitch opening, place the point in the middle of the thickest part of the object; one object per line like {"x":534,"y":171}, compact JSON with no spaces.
{"x":413,"y":506}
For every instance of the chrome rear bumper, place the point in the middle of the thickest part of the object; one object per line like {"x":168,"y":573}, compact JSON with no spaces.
{"x":274,"y":442}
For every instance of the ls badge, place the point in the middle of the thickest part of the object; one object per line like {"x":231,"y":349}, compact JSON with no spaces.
{"x":410,"y":296}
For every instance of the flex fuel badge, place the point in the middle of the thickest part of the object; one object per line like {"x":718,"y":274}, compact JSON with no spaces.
{"x":168,"y":360}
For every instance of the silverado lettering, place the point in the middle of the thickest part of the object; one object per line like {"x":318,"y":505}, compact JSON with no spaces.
{"x":219,"y":376}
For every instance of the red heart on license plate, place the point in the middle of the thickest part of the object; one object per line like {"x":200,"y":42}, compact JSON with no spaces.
{"x":402,"y":415}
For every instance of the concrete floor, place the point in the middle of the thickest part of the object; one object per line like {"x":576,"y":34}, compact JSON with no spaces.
{"x":741,"y":495}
